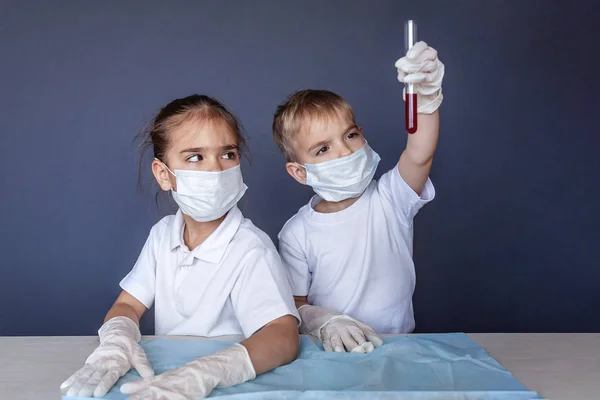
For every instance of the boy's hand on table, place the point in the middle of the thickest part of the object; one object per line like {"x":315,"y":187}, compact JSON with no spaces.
{"x":346,"y":334}
{"x":338,"y":332}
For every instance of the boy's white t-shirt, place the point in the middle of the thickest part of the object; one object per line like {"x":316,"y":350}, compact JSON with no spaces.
{"x":233,"y":283}
{"x":358,"y":261}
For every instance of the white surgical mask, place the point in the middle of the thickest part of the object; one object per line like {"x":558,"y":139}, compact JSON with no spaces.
{"x":343,"y":178}
{"x":207,"y":196}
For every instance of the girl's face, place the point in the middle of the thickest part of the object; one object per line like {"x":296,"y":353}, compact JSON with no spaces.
{"x":199,"y":146}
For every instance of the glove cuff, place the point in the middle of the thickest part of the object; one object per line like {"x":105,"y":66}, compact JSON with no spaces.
{"x":429,"y":104}
{"x":314,"y":318}
{"x":119,"y":327}
{"x":234,"y":362}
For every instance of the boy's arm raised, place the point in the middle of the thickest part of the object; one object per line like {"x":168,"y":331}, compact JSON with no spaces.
{"x":425,"y":71}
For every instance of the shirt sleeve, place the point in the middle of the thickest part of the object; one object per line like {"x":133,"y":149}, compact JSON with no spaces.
{"x":140,"y":282}
{"x":295,"y":264}
{"x":404,"y":201}
{"x":262,"y":292}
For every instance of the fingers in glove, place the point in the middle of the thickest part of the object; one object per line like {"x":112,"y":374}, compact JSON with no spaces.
{"x":66,"y":384}
{"x":107,"y":382}
{"x":433,"y":78}
{"x":401,"y":76}
{"x":417,"y":77}
{"x":142,"y":395}
{"x":428,"y":56}
{"x":327,"y":345}
{"x":436,"y":77}
{"x":336,"y":343}
{"x":326,"y":338}
{"x":358,"y":336}
{"x":424,"y":61}
{"x":140,"y":362}
{"x":428,"y":67}
{"x":348,"y":339}
{"x":136,"y":386}
{"x":86,"y":372}
{"x":370,"y":335}
{"x":368,"y":346}
{"x":358,"y":349}
{"x":376,"y":340}
{"x":407,"y":66}
{"x":87,"y":390}
{"x":417,"y":51}
{"x":410,"y":67}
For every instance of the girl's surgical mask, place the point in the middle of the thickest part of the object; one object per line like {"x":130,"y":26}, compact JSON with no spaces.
{"x":207,"y":196}
{"x":343,"y":178}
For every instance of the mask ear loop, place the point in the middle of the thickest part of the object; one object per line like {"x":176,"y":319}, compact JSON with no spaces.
{"x":305,"y":171}
{"x":165,"y":165}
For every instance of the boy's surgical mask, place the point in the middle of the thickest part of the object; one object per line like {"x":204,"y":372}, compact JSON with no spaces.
{"x":207,"y":196}
{"x":343,"y":178}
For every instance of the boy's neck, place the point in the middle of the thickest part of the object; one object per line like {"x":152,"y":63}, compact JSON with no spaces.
{"x":328,"y":207}
{"x":195,"y":233}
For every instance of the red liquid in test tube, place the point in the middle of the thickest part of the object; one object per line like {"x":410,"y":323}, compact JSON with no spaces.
{"x":410,"y":101}
{"x":410,"y":112}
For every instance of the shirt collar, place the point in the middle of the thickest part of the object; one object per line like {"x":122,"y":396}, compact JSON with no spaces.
{"x":214,"y":247}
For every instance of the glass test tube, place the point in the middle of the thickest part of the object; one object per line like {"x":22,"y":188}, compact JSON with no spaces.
{"x":410,"y":102}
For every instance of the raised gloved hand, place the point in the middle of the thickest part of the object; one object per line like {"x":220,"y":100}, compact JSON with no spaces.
{"x":422,"y":67}
{"x":197,"y":379}
{"x":117,"y":353}
{"x":338,"y":332}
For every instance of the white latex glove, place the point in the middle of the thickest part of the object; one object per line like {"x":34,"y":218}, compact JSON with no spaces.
{"x":422,"y":67}
{"x":338,"y":332}
{"x":197,"y":379}
{"x":117,"y":353}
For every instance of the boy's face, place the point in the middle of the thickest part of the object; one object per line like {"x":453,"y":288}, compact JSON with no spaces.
{"x":323,"y":140}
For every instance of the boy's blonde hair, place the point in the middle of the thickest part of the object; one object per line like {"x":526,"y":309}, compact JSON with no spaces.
{"x":301,"y":107}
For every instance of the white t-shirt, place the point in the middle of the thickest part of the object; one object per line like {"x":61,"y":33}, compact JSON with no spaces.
{"x":358,"y":261}
{"x":233,"y":283}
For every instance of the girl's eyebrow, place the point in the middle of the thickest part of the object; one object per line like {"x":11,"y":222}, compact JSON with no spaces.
{"x":193,"y":150}
{"x":201,"y":149}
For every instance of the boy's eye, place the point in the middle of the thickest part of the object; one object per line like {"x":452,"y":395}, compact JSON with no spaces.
{"x":323,"y":150}
{"x":352,"y":135}
{"x":194,"y":158}
{"x":230,"y":155}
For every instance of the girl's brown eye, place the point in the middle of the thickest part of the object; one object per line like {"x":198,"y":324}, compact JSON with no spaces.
{"x":194,"y":158}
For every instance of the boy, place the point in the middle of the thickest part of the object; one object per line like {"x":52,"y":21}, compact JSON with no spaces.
{"x":349,"y":251}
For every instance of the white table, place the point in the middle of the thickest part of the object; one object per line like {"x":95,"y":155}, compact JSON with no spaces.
{"x":558,"y":366}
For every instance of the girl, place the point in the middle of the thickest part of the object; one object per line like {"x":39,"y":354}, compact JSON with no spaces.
{"x":207,"y":269}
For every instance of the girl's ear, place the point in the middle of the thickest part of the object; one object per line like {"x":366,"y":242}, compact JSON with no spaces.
{"x":296,"y":171}
{"x":162,"y":175}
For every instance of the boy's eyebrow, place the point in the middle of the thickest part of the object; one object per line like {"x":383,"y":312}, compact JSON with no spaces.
{"x":324,"y":142}
{"x":351,"y":127}
{"x":201,"y":149}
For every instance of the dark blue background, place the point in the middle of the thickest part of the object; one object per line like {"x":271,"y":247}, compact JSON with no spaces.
{"x":510,"y":243}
